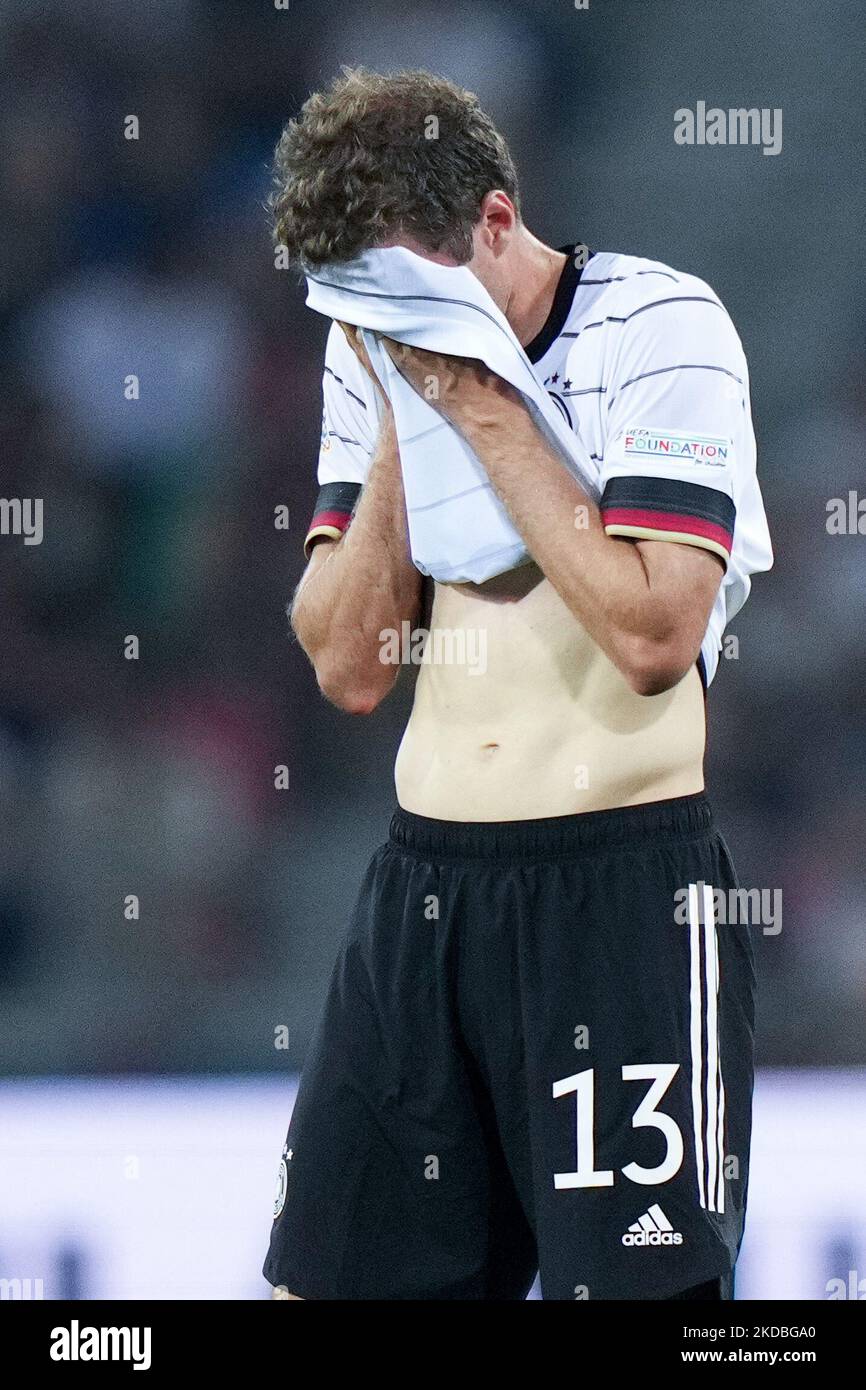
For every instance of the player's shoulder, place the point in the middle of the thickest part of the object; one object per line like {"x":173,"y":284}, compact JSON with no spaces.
{"x":639,"y":305}
{"x":343,"y":373}
{"x":629,"y":282}
{"x":338,"y":354}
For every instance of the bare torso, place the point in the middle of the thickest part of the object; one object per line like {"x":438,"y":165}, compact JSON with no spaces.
{"x":523,"y":716}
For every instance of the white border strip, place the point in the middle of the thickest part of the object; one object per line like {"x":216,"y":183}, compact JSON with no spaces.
{"x":695,"y":1033}
{"x":711,"y":967}
{"x":720,"y":1128}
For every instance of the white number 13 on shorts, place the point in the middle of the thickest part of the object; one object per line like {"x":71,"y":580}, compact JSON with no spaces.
{"x":582,"y":1084}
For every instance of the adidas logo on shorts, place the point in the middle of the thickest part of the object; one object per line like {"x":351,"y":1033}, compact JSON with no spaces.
{"x":653,"y":1228}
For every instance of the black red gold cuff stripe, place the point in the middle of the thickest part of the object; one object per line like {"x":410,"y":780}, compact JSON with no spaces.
{"x":668,"y":509}
{"x":332,"y":514}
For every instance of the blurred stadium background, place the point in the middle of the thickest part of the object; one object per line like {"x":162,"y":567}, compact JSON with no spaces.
{"x":155,"y":777}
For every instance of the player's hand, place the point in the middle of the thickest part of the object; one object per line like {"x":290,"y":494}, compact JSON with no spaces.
{"x":462,"y":388}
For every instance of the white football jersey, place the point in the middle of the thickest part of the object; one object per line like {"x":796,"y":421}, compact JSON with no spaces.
{"x":647,"y":368}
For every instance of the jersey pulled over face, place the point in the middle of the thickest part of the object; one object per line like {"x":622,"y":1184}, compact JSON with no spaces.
{"x":518,"y":713}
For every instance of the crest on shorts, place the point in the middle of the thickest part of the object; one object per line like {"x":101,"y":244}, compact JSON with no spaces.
{"x":282,"y":1181}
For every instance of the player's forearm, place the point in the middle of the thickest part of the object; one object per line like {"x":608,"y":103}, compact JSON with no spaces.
{"x":604,"y":580}
{"x":364,"y":584}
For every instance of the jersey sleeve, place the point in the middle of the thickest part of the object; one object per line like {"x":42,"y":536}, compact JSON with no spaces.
{"x":678,"y":438}
{"x":349,"y":426}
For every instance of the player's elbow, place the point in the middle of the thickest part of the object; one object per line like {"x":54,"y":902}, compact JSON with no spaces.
{"x":655,"y":681}
{"x":654,"y":667}
{"x":353,"y":691}
{"x":352,"y":699}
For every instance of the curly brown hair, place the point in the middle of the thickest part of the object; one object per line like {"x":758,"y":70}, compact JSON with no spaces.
{"x":377,"y":155}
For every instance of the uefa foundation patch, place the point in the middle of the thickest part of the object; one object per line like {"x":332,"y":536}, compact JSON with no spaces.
{"x":714,"y":450}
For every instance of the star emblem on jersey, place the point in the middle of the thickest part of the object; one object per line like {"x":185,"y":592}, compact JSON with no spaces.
{"x":653,"y":1228}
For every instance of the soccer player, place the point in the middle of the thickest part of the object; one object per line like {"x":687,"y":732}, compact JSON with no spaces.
{"x":529,"y":1059}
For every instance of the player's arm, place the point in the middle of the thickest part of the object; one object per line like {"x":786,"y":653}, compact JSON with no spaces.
{"x":355,"y":588}
{"x":360,"y":579}
{"x":646,"y":603}
{"x":645,"y":600}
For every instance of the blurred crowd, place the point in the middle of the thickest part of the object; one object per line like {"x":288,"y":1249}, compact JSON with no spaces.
{"x":164,"y":906}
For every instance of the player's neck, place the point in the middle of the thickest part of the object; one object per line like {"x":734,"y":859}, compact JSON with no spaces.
{"x":537,"y":272}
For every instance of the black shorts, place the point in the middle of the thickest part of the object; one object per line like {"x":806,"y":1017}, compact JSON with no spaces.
{"x":536,"y":1054}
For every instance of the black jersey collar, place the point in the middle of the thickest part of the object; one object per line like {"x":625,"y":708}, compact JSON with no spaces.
{"x":559,"y":310}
